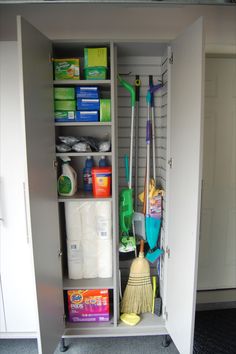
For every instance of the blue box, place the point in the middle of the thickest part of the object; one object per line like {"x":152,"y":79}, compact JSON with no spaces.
{"x":87,"y":92}
{"x":88,"y":104}
{"x":87,"y":116}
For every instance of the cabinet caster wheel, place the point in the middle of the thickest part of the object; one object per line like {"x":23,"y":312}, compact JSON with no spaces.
{"x":63,"y":347}
{"x":166,"y":341}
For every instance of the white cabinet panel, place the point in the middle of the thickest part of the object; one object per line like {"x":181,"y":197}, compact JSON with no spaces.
{"x":183,"y":186}
{"x":2,"y":314}
{"x":219,"y":177}
{"x":36,"y":93}
{"x":18,"y":285}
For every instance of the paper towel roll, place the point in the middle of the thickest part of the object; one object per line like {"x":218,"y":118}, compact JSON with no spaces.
{"x":75,"y":259}
{"x":73,"y":220}
{"x":89,"y":240}
{"x":104,"y":239}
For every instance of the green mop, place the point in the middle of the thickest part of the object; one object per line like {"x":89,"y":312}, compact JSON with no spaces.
{"x":126,"y":207}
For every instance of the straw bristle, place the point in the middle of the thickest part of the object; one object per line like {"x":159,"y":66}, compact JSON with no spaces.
{"x":138,"y":292}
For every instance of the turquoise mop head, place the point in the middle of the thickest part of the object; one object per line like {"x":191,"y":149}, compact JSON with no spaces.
{"x":153,"y":227}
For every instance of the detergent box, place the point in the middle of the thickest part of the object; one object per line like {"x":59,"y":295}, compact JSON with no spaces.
{"x":88,"y":305}
{"x":87,"y":116}
{"x":65,"y":105}
{"x":95,"y":73}
{"x":64,"y":93}
{"x":95,"y":57}
{"x":66,"y":69}
{"x":87,"y":92}
{"x":64,"y":116}
{"x":87,"y":104}
{"x":105,"y":110}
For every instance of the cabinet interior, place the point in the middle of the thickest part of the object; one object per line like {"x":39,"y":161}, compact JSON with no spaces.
{"x":130,"y":59}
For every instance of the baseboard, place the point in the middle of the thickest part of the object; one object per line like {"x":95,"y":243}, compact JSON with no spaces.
{"x":17,"y":335}
{"x":216,"y":306}
{"x":216,"y":296}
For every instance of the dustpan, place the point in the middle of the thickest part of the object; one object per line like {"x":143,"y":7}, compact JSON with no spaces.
{"x":126,"y":207}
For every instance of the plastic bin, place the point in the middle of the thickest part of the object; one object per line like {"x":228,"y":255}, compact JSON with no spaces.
{"x":95,"y":73}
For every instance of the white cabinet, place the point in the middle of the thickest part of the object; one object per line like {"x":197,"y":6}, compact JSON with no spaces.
{"x":17,"y":294}
{"x":181,"y":167}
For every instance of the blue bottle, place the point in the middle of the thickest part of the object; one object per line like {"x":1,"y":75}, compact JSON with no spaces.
{"x":103,"y":162}
{"x":87,"y":174}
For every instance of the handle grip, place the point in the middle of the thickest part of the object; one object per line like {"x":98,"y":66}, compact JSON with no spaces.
{"x":148,"y":132}
{"x":129,"y":88}
{"x":141,"y":250}
{"x":137,"y":88}
{"x":126,"y":158}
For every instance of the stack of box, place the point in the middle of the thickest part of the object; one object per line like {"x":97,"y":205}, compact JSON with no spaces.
{"x":89,"y":104}
{"x":95,"y":63}
{"x":64,"y":104}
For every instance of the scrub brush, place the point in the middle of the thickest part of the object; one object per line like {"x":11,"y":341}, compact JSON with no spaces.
{"x":156,"y":301}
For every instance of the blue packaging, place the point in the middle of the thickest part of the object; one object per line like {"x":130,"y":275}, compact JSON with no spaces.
{"x":87,"y":116}
{"x":88,"y":104}
{"x":87,"y":174}
{"x":87,"y":92}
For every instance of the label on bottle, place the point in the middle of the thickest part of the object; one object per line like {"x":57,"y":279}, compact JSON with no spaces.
{"x":64,"y":185}
{"x":87,"y":177}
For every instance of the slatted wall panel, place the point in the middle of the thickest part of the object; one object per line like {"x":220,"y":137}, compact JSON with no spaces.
{"x":143,"y":66}
{"x":163,"y":157}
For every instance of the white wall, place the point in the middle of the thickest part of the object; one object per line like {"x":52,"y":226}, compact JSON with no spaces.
{"x":106,"y":21}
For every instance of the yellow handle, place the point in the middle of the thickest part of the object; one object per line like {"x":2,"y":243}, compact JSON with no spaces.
{"x":154,"y":288}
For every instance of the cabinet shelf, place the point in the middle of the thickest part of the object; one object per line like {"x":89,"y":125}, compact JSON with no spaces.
{"x":94,"y":283}
{"x":105,"y":83}
{"x":81,"y":154}
{"x":149,"y":325}
{"x":82,"y":329}
{"x":82,"y":195}
{"x":79,"y":124}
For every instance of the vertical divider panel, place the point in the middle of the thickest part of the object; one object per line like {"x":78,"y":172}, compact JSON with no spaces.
{"x":113,"y":59}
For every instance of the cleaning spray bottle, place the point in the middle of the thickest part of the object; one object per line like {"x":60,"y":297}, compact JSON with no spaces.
{"x":67,"y":182}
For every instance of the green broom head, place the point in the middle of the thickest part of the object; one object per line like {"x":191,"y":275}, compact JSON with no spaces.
{"x":138,"y":292}
{"x":126,"y":210}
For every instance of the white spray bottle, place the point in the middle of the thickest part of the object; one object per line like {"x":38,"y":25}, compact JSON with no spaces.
{"x":67,"y":182}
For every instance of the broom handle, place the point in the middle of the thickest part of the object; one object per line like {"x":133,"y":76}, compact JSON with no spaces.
{"x":141,"y":250}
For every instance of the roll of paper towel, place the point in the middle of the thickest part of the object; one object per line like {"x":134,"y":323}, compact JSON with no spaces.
{"x":73,"y":220}
{"x":104,"y":239}
{"x":75,"y":259}
{"x":89,"y":240}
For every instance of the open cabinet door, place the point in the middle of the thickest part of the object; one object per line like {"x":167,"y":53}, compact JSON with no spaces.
{"x":184,"y":183}
{"x":36,"y":93}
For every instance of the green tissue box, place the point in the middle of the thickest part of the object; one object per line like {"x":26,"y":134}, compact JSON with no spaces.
{"x":105,"y":110}
{"x":64,"y":93}
{"x":65,"y":105}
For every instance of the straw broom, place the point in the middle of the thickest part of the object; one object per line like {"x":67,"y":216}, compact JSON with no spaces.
{"x":138,"y":292}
